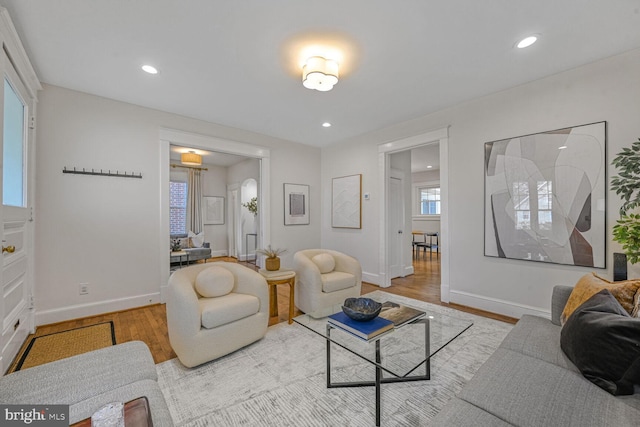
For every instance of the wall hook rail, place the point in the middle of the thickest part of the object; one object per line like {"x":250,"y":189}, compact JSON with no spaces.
{"x":102,"y":173}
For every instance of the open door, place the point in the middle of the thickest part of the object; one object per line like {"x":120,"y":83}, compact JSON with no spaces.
{"x":16,"y":273}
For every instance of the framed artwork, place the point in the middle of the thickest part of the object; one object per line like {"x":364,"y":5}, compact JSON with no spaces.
{"x":545,"y":197}
{"x":346,"y":202}
{"x":213,"y":210}
{"x":296,"y":204}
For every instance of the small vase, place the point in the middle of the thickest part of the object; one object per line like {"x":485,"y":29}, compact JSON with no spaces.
{"x":272,"y":264}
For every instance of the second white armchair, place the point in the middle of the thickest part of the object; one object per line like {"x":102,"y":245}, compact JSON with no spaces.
{"x":325,"y":278}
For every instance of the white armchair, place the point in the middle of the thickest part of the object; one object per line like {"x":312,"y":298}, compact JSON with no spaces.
{"x":325,"y":278}
{"x":235,"y":312}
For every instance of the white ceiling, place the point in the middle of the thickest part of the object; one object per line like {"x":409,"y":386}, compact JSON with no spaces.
{"x":235,"y":63}
{"x":425,"y":158}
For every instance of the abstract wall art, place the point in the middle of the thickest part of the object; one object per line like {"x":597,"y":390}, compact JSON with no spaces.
{"x":346,"y":202}
{"x":296,"y":204}
{"x":213,"y":210}
{"x":545,"y":196}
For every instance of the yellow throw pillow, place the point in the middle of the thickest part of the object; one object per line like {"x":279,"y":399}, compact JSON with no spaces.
{"x":591,"y":284}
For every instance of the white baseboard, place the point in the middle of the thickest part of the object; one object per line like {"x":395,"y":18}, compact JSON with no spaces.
{"x":495,"y":305}
{"x":222,"y":252}
{"x":408,"y":270}
{"x":375,"y":279}
{"x":46,"y":317}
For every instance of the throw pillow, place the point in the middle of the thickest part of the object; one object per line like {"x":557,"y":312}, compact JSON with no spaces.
{"x":196,"y":240}
{"x":324,"y":262}
{"x":214,"y":282}
{"x":603,"y":341}
{"x":591,"y":284}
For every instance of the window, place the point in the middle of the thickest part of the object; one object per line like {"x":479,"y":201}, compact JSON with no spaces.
{"x":13,"y":191}
{"x":429,"y":201}
{"x":178,"y":207}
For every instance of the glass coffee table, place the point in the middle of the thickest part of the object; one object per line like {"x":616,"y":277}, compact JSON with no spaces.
{"x":404,"y":353}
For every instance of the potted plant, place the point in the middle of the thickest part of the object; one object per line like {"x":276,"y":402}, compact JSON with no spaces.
{"x":272,"y":262}
{"x":252,"y":206}
{"x":627,"y":186}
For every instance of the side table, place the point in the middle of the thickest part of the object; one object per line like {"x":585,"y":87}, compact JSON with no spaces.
{"x":275,"y":278}
{"x":180,"y":254}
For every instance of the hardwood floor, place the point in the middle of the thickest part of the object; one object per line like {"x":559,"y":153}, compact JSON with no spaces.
{"x":149,"y":323}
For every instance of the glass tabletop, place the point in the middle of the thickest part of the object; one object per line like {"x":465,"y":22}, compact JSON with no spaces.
{"x":404,"y":349}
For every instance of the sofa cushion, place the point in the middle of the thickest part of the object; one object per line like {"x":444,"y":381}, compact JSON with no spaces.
{"x":604,"y":342}
{"x":337,"y":281}
{"x":214,"y":282}
{"x":528,"y":392}
{"x":324,"y":262}
{"x":226,"y":309}
{"x":591,"y":284}
{"x":537,"y":337}
{"x":196,"y":240}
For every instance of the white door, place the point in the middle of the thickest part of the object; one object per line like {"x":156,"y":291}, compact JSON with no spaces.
{"x":396,"y":226}
{"x":232,"y":227}
{"x":16,"y":274}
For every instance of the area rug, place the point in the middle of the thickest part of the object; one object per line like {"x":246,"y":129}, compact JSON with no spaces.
{"x":59,"y":345}
{"x":280,"y":381}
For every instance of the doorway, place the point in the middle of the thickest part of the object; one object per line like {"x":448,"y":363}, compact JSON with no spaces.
{"x":252,"y":153}
{"x":385,"y":152}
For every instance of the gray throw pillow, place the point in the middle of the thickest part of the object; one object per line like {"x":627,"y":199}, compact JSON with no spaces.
{"x":603,"y":341}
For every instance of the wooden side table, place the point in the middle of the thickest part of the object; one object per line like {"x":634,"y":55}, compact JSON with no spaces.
{"x":275,"y":278}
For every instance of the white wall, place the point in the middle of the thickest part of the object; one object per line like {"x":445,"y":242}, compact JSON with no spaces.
{"x":606,"y":90}
{"x":214,"y":183}
{"x":402,"y":162}
{"x":104,"y":231}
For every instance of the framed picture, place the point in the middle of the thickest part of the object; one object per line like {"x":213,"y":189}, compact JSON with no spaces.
{"x":545,"y":197}
{"x":213,"y":210}
{"x":346,"y":202}
{"x":296,"y":204}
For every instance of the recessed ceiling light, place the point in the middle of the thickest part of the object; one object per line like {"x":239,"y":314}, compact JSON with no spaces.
{"x":526,"y":42}
{"x":429,"y":167}
{"x":326,"y":125}
{"x":150,"y":69}
{"x":562,"y":147}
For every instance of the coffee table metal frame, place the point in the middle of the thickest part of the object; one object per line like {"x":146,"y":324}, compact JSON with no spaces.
{"x":379,"y":375}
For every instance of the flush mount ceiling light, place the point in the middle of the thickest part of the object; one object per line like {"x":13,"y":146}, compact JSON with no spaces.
{"x":320,"y":73}
{"x":326,"y":125}
{"x":526,"y":42}
{"x":150,"y":69}
{"x":191,"y":158}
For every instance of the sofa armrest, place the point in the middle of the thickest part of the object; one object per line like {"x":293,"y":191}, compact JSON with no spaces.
{"x":559,"y":299}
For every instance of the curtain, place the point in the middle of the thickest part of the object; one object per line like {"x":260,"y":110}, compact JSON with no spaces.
{"x":194,"y":201}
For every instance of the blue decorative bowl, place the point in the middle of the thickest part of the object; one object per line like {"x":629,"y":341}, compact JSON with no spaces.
{"x":361,"y":309}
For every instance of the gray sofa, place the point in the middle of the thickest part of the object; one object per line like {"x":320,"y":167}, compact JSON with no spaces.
{"x":529,"y":381}
{"x":89,"y":381}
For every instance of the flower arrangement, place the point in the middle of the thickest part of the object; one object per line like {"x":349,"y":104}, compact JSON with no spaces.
{"x":175,"y":245}
{"x":252,"y":205}
{"x":269,"y":252}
